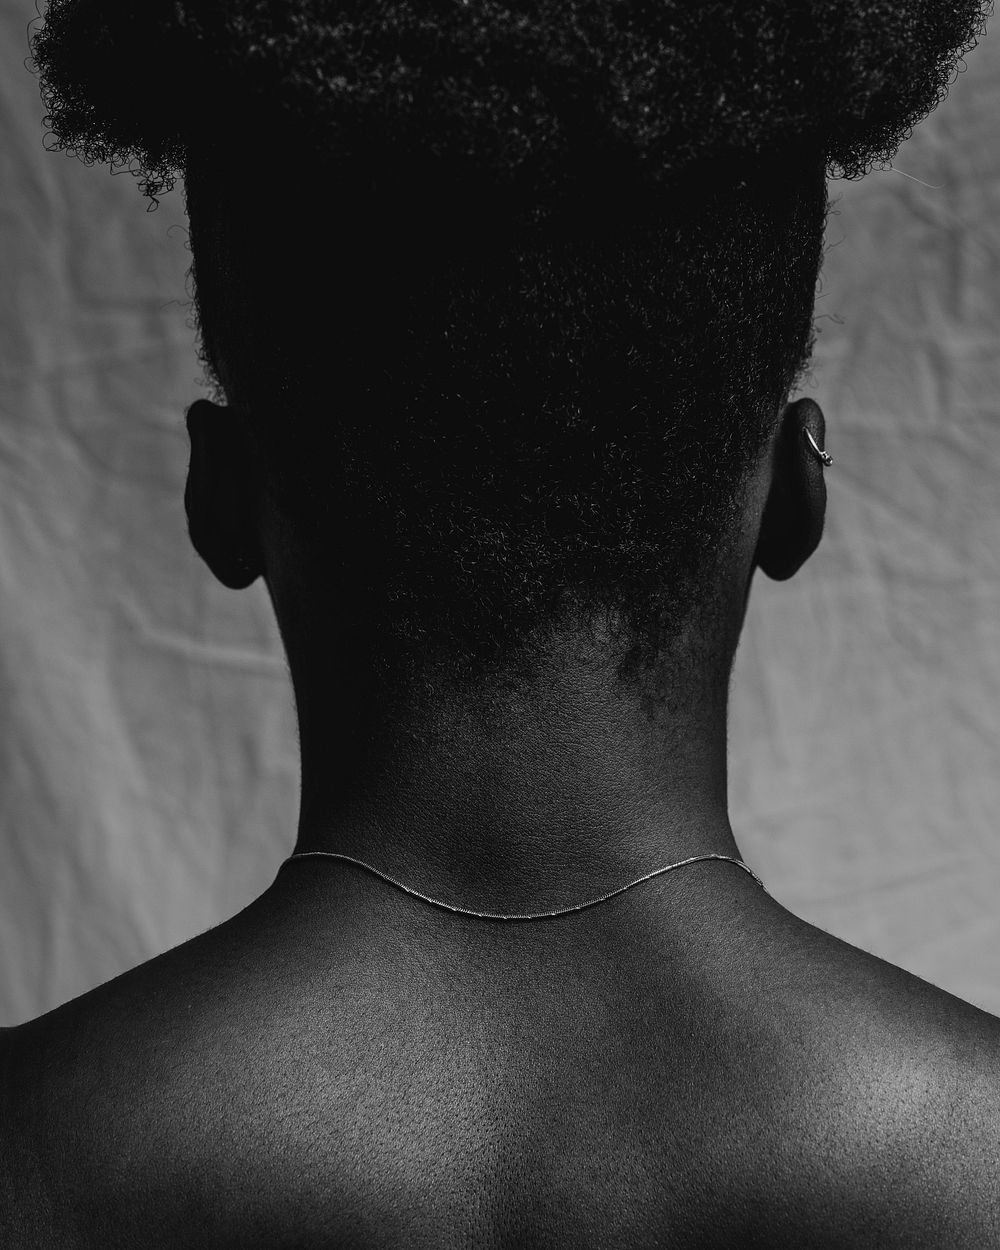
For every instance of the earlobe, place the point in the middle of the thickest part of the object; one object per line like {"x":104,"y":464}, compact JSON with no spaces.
{"x":219,"y":496}
{"x":794,"y":514}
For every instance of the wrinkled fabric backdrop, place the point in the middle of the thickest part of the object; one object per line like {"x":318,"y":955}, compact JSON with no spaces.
{"x":148,"y":758}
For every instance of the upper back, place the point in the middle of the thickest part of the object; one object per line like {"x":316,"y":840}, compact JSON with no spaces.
{"x":823,"y":1098}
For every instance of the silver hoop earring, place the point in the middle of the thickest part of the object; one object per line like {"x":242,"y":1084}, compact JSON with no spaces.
{"x":822,"y":455}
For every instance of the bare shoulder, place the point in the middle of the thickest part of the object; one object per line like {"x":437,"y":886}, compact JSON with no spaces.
{"x":909,"y":1084}
{"x":26,"y":1215}
{"x":114,"y":1093}
{"x":853,"y":1104}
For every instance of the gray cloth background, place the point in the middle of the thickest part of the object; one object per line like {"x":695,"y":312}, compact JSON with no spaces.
{"x":148,"y":766}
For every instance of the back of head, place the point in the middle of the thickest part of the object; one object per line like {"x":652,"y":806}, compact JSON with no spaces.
{"x":511,"y":294}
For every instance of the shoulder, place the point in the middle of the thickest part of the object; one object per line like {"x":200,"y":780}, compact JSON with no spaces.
{"x":897,"y":1093}
{"x":109,"y":1138}
{"x":120,"y":1092}
{"x":920,"y":1127}
{"x":182,"y":1093}
{"x":861,"y":1104}
{"x":27,"y":1216}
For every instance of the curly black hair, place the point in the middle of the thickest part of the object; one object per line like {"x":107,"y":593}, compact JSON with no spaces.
{"x":513,"y":290}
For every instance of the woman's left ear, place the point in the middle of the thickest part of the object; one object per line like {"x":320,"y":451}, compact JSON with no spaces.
{"x":221,"y":497}
{"x":795,"y":512}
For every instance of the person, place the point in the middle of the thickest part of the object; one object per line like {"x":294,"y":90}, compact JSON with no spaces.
{"x":503,"y":310}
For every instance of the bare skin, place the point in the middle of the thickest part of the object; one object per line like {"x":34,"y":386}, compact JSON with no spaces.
{"x":685,"y":1065}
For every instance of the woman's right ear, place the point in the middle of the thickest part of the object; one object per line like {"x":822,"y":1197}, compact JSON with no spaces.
{"x":219,"y":496}
{"x":794,"y":514}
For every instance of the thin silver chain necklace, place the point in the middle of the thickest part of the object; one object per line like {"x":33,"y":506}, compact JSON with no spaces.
{"x":542,"y":915}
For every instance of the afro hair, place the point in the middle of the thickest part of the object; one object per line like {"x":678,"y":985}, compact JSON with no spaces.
{"x":565,"y":427}
{"x":520,"y":92}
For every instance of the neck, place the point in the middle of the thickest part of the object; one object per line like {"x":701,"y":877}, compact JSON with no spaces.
{"x":522,"y":803}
